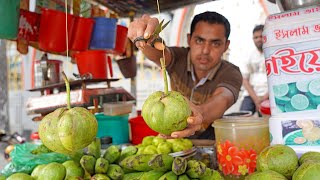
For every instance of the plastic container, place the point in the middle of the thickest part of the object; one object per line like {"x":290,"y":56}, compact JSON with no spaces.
{"x":116,"y":127}
{"x":9,"y":18}
{"x":139,"y":130}
{"x":265,"y":108}
{"x":52,"y":33}
{"x":291,"y":49}
{"x":238,"y":114}
{"x":117,"y":108}
{"x":121,"y":39}
{"x":35,"y":138}
{"x":93,"y":62}
{"x":104,"y":33}
{"x":238,"y":142}
{"x":82,"y":34}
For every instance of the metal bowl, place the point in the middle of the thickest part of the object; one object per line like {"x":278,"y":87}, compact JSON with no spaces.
{"x":285,"y":5}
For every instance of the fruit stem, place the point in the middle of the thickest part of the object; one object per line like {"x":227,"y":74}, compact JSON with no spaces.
{"x":164,"y":72}
{"x":66,"y":81}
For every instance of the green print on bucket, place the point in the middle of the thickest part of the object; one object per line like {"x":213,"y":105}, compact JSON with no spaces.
{"x":297,"y":96}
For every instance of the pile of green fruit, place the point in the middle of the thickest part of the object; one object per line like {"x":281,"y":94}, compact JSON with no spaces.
{"x":158,"y":145}
{"x":281,"y":162}
{"x":117,"y":164}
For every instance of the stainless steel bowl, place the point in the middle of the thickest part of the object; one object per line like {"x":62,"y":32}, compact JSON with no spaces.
{"x":285,"y":5}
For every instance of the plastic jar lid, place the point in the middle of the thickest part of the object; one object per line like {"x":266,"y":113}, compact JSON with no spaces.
{"x":241,"y":123}
{"x":35,"y":136}
{"x":265,"y":107}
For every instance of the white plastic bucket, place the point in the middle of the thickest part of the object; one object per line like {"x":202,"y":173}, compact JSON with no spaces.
{"x":292,"y":58}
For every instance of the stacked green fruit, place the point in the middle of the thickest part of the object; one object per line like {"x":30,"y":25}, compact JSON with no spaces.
{"x":158,"y":145}
{"x":115,"y":163}
{"x":281,"y":162}
{"x":163,"y":167}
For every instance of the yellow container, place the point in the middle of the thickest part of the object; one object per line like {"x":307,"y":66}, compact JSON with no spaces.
{"x":239,"y":141}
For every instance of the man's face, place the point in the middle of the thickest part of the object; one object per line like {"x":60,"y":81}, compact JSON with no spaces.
{"x":207,"y":45}
{"x":257,"y":39}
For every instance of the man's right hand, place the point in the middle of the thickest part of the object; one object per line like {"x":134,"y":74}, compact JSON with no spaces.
{"x":142,"y":27}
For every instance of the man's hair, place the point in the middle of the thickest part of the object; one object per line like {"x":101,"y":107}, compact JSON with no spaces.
{"x":258,"y":28}
{"x":211,"y":18}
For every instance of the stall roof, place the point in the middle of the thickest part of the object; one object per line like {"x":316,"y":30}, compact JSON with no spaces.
{"x":126,"y":8}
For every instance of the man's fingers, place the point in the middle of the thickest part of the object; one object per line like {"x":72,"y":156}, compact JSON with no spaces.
{"x":189,"y":131}
{"x":150,"y":27}
{"x":165,"y":136}
{"x":140,"y":28}
{"x":194,"y":120}
{"x":145,"y":17}
{"x":137,"y":29}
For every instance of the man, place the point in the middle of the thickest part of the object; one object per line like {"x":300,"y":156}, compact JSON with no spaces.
{"x":198,"y":72}
{"x":254,"y":76}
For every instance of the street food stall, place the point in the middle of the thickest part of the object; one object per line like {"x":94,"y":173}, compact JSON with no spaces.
{"x":85,"y":130}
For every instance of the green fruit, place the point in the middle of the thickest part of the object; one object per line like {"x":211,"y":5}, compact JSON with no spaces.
{"x":169,"y":176}
{"x":2,"y":177}
{"x":164,"y":148}
{"x":179,"y":165}
{"x":67,"y":130}
{"x":183,"y":177}
{"x":152,"y":175}
{"x":166,"y":112}
{"x":133,"y":176}
{"x":266,"y":175}
{"x":140,"y":150}
{"x":137,"y":162}
{"x":94,"y":148}
{"x":157,"y":140}
{"x":37,"y":171}
{"x":128,"y":151}
{"x":180,"y":144}
{"x":195,"y":169}
{"x":88,"y":163}
{"x":309,"y":156}
{"x":151,"y":149}
{"x":161,"y":162}
{"x":147,"y":140}
{"x":216,"y":175}
{"x":73,"y":169}
{"x":112,"y":153}
{"x":20,"y":176}
{"x":279,"y":158}
{"x":101,"y":166}
{"x":115,"y":172}
{"x":100,"y":177}
{"x":187,"y":143}
{"x":307,"y":171}
{"x":52,"y":171}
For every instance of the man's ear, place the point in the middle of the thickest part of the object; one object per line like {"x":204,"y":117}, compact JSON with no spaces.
{"x":188,"y":38}
{"x":227,"y":45}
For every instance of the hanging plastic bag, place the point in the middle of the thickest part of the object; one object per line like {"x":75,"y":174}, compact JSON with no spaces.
{"x":25,"y":161}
